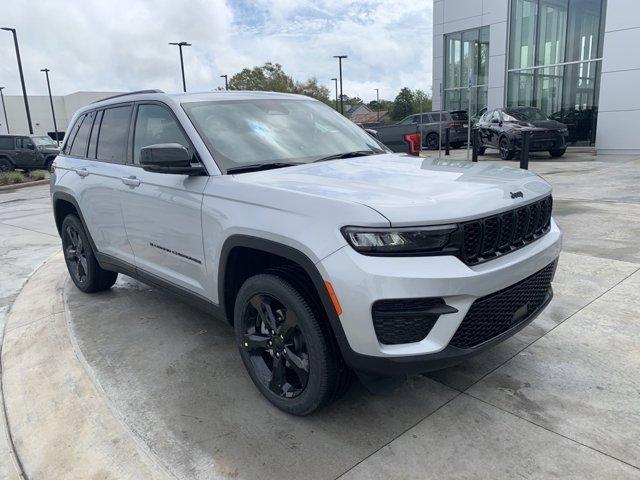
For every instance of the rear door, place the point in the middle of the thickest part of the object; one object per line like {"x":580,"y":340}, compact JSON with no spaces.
{"x":162,"y":211}
{"x":25,"y":153}
{"x":100,"y":146}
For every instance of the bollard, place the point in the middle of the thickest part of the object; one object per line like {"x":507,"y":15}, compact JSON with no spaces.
{"x":447,"y":135}
{"x":524,"y":152}
{"x":474,"y":146}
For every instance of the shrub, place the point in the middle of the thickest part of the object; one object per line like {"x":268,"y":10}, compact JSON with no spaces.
{"x":9,"y":178}
{"x":37,"y":175}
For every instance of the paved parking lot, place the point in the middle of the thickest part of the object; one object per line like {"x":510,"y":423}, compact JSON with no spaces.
{"x":560,"y":399}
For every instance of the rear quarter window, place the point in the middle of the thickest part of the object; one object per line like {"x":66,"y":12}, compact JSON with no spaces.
{"x":79,"y":146}
{"x":6,"y":143}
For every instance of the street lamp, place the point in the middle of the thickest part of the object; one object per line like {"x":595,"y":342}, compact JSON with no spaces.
{"x":24,"y":89}
{"x":335,"y":80}
{"x":340,"y":57}
{"x":180,"y":45}
{"x":6,"y":122}
{"x":226,"y":81}
{"x":53,"y":112}
{"x":378,"y":102}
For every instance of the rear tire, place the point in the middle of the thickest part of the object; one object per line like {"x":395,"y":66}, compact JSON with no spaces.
{"x":81,"y":261}
{"x":6,"y":165}
{"x":287,"y":350}
{"x":432,"y":142}
{"x":48,"y":164}
{"x":557,"y":153}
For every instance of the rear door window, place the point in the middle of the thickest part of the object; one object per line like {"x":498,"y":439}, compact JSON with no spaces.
{"x":155,"y":124}
{"x":79,"y":146}
{"x":114,"y":134}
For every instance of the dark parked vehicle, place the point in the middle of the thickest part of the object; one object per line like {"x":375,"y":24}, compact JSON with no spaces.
{"x":399,"y":138}
{"x":581,"y":123}
{"x":502,"y":128}
{"x":27,"y":152}
{"x":433,"y":123}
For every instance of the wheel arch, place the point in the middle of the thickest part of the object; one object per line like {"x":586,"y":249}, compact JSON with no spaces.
{"x":64,"y":204}
{"x":233,"y":262}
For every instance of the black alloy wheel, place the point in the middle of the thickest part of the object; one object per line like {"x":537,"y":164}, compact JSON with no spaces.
{"x":286,"y":343}
{"x":276,"y":346}
{"x":432,"y":142}
{"x":506,"y":153}
{"x":75,"y":253}
{"x":5,"y":165}
{"x":84,"y":269}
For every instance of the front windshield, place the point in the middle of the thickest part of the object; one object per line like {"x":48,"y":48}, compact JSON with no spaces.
{"x":44,"y":141}
{"x":527,"y":114}
{"x":257,"y":131}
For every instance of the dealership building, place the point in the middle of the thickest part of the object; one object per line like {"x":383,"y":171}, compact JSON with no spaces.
{"x":40,"y":109}
{"x":576,"y":60}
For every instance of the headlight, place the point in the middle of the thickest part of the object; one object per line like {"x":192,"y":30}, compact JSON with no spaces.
{"x":399,"y":241}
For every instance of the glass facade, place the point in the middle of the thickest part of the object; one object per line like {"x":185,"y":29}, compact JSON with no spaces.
{"x":466,"y":63}
{"x":555,"y":51}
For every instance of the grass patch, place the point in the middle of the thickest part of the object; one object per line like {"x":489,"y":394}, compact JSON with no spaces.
{"x":11,"y":178}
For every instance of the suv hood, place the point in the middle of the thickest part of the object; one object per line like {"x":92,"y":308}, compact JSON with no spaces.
{"x":410,"y":190}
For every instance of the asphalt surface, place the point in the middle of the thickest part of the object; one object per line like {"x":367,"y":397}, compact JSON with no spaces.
{"x":561,"y":399}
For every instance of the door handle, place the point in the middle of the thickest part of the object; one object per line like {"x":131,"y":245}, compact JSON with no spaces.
{"x":83,"y":172}
{"x":132,"y":181}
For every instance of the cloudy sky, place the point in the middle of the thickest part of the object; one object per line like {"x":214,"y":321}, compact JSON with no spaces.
{"x":120,"y":45}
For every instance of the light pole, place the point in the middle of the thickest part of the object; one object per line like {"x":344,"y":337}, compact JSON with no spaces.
{"x":53,"y":112}
{"x":340,"y":57}
{"x":180,"y":45}
{"x":226,"y":81}
{"x":335,"y":81}
{"x":24,"y":89}
{"x":6,"y":122}
{"x":378,"y":102}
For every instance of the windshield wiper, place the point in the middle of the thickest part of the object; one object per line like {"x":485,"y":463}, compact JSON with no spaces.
{"x":256,"y":167}
{"x":357,"y":153}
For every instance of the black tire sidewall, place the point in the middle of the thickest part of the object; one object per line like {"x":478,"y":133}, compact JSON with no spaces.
{"x":318,"y":349}
{"x":6,"y":165}
{"x":91,"y":282}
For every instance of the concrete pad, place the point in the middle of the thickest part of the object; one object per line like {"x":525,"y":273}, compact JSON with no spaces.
{"x":579,"y":280}
{"x":602,"y":229}
{"x":468,"y":439}
{"x":583,"y":379}
{"x":176,"y":376}
{"x":60,"y":425}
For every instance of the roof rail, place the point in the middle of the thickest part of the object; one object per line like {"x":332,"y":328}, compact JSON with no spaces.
{"x":129,"y":93}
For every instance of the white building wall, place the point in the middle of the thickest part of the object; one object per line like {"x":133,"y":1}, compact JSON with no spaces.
{"x":619,"y":105}
{"x":65,"y":106}
{"x":451,"y":16}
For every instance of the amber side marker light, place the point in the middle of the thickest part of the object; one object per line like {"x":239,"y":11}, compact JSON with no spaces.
{"x":334,"y":297}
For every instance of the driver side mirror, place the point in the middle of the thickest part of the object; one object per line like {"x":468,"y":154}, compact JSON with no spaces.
{"x":31,"y":146}
{"x":168,"y":158}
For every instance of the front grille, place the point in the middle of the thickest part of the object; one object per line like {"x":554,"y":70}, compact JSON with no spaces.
{"x":496,"y":313}
{"x":490,"y":237}
{"x":406,"y":320}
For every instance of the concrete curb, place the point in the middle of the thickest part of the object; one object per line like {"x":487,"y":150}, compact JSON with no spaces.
{"x":17,"y":186}
{"x":60,"y":425}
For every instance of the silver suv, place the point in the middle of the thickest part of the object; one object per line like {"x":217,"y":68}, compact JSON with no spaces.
{"x":327,"y":253}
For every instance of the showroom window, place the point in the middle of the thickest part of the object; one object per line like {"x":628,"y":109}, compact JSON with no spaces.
{"x":555,"y":52}
{"x":466,"y":69}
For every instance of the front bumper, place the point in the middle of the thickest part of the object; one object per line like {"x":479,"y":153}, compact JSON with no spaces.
{"x":360,"y":281}
{"x":543,"y":142}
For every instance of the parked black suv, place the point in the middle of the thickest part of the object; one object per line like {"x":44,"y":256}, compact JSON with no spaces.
{"x":27,"y":152}
{"x":502,"y":129}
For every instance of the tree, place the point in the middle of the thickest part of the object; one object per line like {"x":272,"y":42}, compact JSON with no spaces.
{"x":271,"y":78}
{"x":403,"y":104}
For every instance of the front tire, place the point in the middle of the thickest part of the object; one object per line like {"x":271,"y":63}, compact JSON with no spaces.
{"x":557,"y":153}
{"x":81,"y":261}
{"x":287,"y":350}
{"x":506,"y":152}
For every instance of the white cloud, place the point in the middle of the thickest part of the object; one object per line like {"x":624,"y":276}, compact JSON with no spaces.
{"x":123,"y":45}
